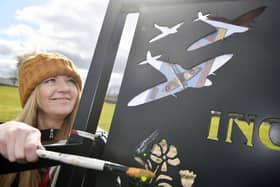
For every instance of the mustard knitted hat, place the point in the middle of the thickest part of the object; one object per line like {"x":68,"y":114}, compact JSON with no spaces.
{"x":38,"y":67}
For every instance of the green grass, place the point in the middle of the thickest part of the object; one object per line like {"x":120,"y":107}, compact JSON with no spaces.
{"x":10,"y":107}
{"x":9,"y":103}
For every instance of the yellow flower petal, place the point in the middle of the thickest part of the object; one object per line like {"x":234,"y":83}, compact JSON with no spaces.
{"x":164,"y":184}
{"x":166,"y":177}
{"x":172,"y":152}
{"x":174,"y":162}
{"x":156,"y":159}
{"x":156,"y":150}
{"x":164,"y":146}
{"x":164,"y":167}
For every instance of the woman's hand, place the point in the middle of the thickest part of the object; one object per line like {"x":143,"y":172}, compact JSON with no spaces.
{"x":19,"y":142}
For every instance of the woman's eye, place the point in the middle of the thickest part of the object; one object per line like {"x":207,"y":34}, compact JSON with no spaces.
{"x":52,"y":80}
{"x":72,"y":81}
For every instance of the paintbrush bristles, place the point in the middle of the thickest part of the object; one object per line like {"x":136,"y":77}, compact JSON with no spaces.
{"x":138,"y":173}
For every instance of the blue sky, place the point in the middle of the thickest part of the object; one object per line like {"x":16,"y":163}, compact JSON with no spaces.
{"x":9,"y":7}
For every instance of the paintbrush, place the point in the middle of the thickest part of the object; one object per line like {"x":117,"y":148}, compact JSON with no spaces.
{"x":96,"y":164}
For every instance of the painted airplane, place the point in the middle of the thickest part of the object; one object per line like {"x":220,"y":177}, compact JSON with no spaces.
{"x":178,"y":78}
{"x":225,"y":27}
{"x":165,"y":31}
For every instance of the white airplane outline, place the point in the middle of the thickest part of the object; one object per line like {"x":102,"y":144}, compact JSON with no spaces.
{"x":200,"y":16}
{"x":165,"y":31}
{"x":178,"y":78}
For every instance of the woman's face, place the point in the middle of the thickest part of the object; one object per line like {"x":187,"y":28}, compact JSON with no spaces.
{"x":57,"y":96}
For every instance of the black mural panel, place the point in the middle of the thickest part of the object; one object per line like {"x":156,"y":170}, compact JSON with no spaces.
{"x":209,"y":113}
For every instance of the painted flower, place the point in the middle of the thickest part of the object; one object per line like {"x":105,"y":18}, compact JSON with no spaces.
{"x":163,"y":154}
{"x":187,"y":178}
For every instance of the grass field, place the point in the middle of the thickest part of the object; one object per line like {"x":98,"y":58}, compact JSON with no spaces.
{"x":9,"y":103}
{"x":10,"y":107}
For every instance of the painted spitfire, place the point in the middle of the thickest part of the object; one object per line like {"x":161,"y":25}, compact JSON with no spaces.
{"x":225,"y":27}
{"x":178,"y":78}
{"x":165,"y":31}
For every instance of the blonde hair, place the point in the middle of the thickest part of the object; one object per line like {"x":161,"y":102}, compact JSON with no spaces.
{"x":29,"y":114}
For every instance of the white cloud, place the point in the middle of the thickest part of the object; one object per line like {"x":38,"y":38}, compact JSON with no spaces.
{"x":7,"y":67}
{"x":8,"y":47}
{"x":67,"y":26}
{"x":20,"y":30}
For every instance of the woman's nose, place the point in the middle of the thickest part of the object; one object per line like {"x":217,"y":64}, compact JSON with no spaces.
{"x":62,"y":85}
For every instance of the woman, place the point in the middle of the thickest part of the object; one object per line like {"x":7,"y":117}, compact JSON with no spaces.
{"x":49,"y":89}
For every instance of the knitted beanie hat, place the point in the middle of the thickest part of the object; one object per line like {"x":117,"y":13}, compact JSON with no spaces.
{"x":40,"y":66}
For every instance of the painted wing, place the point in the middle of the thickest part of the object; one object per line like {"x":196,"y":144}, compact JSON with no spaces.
{"x":247,"y":18}
{"x":159,"y":91}
{"x":207,"y":40}
{"x":223,"y":30}
{"x":167,"y":69}
{"x":230,"y":28}
{"x":207,"y":68}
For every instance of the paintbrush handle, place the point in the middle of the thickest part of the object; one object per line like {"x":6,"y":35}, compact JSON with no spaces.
{"x":93,"y":163}
{"x":81,"y":161}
